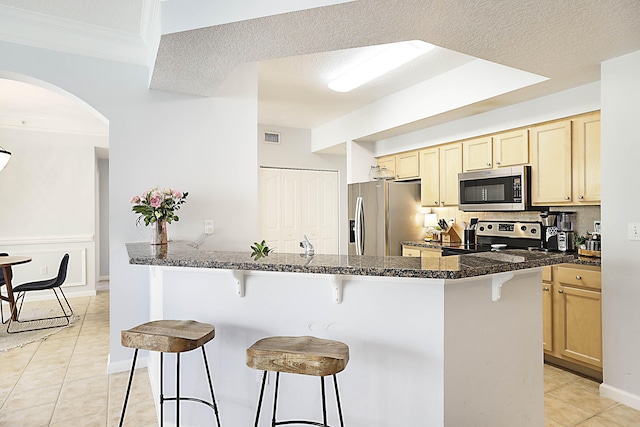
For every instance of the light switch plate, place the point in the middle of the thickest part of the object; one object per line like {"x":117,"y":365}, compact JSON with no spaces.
{"x":634,"y":231}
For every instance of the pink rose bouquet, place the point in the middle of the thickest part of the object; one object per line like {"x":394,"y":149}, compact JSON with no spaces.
{"x":158,"y":205}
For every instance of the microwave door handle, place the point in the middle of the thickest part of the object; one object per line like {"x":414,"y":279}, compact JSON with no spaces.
{"x":359,"y":226}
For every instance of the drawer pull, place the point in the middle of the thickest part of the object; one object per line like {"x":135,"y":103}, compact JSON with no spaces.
{"x":545,"y":289}
{"x":560,"y":291}
{"x":578,"y":277}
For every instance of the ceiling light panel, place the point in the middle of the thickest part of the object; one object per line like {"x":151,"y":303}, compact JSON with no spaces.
{"x":388,"y":59}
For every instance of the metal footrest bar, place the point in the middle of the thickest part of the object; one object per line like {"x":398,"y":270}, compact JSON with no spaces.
{"x":176,"y":398}
{"x":274,"y":422}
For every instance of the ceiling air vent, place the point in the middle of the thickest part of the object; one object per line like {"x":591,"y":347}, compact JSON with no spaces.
{"x":271,"y":138}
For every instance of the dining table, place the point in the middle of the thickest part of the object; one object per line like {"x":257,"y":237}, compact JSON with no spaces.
{"x":6,"y":263}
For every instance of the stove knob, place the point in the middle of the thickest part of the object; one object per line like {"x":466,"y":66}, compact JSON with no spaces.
{"x":523,"y":228}
{"x":534,"y":231}
{"x":489,"y":226}
{"x":481,"y":228}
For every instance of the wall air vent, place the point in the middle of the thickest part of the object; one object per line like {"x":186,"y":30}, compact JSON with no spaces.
{"x":271,"y":138}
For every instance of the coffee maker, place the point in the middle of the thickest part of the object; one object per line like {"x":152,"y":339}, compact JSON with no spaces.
{"x":549,"y":231}
{"x":565,"y":223}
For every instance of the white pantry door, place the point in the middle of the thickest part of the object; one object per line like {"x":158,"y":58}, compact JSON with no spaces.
{"x":298,"y":202}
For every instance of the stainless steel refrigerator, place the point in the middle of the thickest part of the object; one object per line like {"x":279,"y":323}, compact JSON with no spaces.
{"x":381,"y":215}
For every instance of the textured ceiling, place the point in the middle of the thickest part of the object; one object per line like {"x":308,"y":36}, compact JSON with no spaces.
{"x":299,"y":51}
{"x":565,"y":41}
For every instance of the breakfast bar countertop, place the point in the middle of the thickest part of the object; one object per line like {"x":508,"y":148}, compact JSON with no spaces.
{"x":575,"y":258}
{"x":180,"y":254}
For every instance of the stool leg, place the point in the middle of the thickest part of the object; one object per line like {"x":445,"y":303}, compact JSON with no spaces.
{"x":275,"y":400}
{"x":213,"y":397}
{"x":335,"y":383}
{"x":264,"y":381}
{"x":161,"y":389}
{"x":126,"y":397}
{"x":324,"y":403}
{"x":177,"y":389}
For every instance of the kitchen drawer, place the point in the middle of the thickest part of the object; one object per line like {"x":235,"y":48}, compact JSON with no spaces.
{"x":547,"y":275}
{"x":579,"y":277}
{"x":412,"y":252}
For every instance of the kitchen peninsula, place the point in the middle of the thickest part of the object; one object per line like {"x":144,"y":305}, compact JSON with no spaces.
{"x":434,"y":341}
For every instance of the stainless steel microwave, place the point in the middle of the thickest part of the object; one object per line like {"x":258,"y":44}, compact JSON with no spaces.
{"x":502,"y":189}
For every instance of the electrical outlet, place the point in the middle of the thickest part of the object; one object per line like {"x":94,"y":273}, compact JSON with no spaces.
{"x":208,"y":227}
{"x":634,"y":231}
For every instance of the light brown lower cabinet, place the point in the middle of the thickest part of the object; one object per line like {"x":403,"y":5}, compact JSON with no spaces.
{"x":572,"y":317}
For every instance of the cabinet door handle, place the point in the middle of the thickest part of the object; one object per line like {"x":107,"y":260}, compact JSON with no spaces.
{"x":497,"y":163}
{"x":566,"y":197}
{"x":580,"y":197}
{"x":435,"y":203}
{"x":560,"y":291}
{"x":488,"y":164}
{"x":578,"y":277}
{"x":545,"y":289}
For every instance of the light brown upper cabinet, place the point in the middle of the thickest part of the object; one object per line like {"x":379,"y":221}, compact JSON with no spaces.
{"x":586,"y":159}
{"x":551,"y":163}
{"x":565,"y":162}
{"x":478,"y":153}
{"x":439,"y":169}
{"x":388,"y":162}
{"x":404,"y":165}
{"x":496,"y":151}
{"x":511,"y":148}
{"x":408,"y":165}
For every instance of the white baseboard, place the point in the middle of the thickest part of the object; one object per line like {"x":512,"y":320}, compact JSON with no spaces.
{"x":624,"y":397}
{"x":103,"y":278}
{"x":125,"y":365}
{"x":49,"y":295}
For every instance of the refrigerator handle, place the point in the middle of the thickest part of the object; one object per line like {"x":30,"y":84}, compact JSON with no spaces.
{"x":359,"y":228}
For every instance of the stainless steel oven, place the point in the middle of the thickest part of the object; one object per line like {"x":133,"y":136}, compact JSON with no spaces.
{"x":503,"y":189}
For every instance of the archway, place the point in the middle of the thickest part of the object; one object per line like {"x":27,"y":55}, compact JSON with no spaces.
{"x":55,"y":198}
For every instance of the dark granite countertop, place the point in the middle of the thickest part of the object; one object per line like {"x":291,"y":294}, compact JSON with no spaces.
{"x":179,"y":254}
{"x":584,"y":260}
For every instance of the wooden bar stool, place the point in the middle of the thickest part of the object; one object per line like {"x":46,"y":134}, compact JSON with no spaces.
{"x":170,"y":336}
{"x":298,"y":355}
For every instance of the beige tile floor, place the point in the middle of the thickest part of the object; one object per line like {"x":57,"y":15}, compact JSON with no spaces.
{"x":62,"y":381}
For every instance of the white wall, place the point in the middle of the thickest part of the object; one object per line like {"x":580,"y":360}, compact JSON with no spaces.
{"x":620,"y":206}
{"x":206,"y":146}
{"x":49,"y":209}
{"x":103,"y":219}
{"x":574,"y":101}
{"x":294,"y":151}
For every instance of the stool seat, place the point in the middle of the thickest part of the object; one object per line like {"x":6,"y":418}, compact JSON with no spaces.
{"x":298,"y":355}
{"x":168,"y":336}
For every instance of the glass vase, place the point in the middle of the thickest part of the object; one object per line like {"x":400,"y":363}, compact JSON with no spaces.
{"x":159,"y":233}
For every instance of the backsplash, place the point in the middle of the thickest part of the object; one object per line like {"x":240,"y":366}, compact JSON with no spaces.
{"x":584,"y":216}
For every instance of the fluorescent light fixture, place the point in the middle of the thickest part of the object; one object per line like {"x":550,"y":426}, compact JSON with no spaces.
{"x":388,"y":59}
{"x":4,"y":157}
